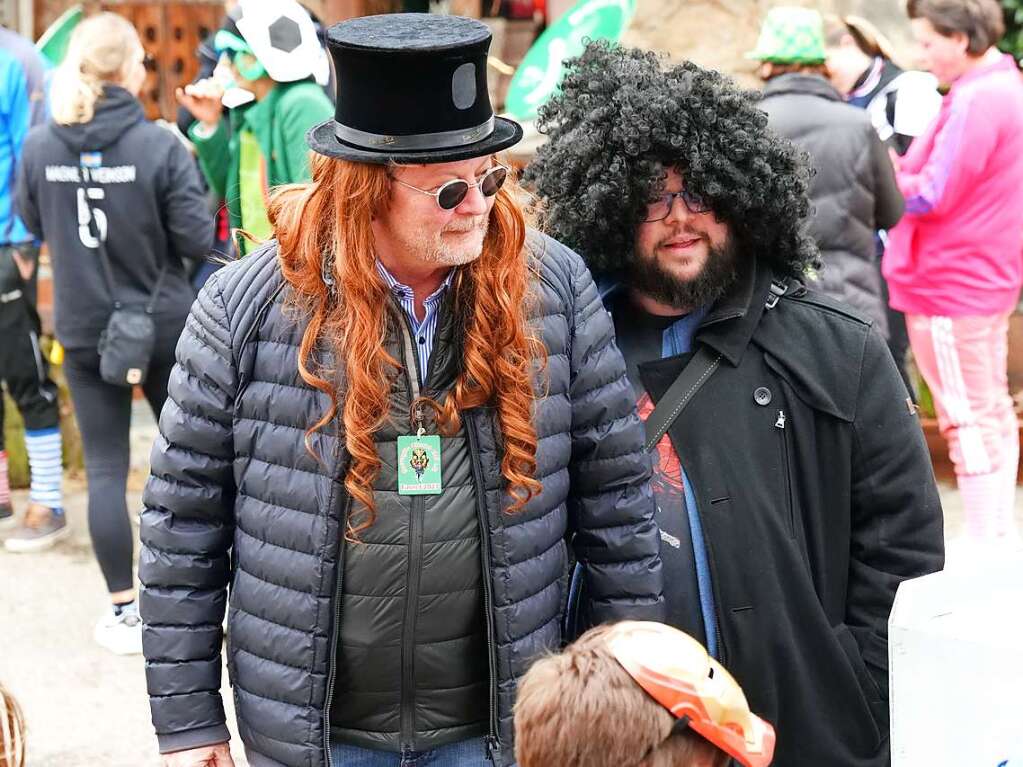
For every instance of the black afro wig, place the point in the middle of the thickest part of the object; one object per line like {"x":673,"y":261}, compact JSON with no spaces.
{"x":623,"y":117}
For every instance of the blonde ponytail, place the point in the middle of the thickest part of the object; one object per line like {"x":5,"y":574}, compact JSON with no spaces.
{"x":99,"y":53}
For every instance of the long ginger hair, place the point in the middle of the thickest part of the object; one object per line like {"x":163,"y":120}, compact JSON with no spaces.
{"x":328,"y":222}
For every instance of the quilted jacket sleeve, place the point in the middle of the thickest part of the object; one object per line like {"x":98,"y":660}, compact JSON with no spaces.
{"x":187,"y":532}
{"x":611,"y":507}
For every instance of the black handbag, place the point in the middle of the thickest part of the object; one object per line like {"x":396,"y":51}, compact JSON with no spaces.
{"x":126,"y":345}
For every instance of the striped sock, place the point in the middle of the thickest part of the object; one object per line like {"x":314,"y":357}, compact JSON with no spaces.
{"x":44,"y":459}
{"x":5,"y":487}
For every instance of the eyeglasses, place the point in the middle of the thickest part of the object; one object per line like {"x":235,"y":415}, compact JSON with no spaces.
{"x":660,"y":208}
{"x":451,"y":193}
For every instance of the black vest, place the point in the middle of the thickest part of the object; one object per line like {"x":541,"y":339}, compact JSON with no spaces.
{"x":412,"y":656}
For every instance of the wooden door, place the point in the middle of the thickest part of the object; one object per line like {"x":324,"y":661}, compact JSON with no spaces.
{"x":170,"y":33}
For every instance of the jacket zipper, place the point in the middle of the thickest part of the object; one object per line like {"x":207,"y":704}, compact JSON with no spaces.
{"x":779,"y":424}
{"x":408,"y":638}
{"x":493,"y":740}
{"x":415,"y":385}
{"x":412,"y":378}
{"x":346,"y":505}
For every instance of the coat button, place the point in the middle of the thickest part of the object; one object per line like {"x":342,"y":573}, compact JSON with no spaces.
{"x":762,"y":396}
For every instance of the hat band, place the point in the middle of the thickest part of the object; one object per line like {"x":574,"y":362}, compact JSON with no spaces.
{"x":417,"y":141}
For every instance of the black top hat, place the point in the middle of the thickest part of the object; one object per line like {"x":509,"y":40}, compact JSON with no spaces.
{"x":412,"y":88}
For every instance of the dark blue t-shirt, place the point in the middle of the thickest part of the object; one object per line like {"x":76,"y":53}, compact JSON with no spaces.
{"x":642,"y":338}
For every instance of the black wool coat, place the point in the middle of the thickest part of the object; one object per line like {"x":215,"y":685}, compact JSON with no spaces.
{"x":235,"y":500}
{"x":816,"y":495}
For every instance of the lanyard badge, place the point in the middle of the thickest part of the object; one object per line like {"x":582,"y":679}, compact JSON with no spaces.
{"x":419,"y":462}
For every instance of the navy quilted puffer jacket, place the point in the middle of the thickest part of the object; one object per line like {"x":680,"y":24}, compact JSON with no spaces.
{"x":236,"y":500}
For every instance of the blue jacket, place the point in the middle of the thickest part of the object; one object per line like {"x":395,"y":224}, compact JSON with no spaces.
{"x":22,"y":106}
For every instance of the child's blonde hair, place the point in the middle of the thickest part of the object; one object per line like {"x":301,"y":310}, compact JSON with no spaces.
{"x":12,"y":731}
{"x":100,"y":51}
{"x":580,"y":708}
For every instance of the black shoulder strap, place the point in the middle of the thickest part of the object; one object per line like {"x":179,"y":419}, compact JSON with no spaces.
{"x":104,"y":257}
{"x":694,"y":375}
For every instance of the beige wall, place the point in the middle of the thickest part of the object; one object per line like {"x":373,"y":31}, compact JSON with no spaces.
{"x":716,"y":33}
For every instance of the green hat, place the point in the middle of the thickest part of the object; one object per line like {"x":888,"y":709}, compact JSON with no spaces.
{"x":791,"y":36}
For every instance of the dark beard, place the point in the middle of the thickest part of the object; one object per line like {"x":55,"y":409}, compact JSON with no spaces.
{"x":719,"y":274}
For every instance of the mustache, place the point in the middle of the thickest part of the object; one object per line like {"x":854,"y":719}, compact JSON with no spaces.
{"x":476,"y":222}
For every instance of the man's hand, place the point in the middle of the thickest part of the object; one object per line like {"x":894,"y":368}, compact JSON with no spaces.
{"x":207,"y":756}
{"x":204,"y":100}
{"x":26,"y":264}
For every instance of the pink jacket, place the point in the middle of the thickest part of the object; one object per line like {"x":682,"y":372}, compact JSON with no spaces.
{"x":958,"y":251}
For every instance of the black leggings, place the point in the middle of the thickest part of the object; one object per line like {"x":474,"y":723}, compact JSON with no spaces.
{"x":103,"y":412}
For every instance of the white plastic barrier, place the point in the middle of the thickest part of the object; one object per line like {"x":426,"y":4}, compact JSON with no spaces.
{"x":956,"y":667}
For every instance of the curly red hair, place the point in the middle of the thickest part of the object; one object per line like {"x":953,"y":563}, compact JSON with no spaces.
{"x":328,"y":221}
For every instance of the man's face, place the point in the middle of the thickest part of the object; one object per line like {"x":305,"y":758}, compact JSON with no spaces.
{"x":236,"y":64}
{"x":684,"y":258}
{"x":421,"y":229}
{"x":944,"y":57}
{"x":846,"y":63}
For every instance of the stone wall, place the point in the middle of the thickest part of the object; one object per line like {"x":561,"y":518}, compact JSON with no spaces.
{"x":716,"y":33}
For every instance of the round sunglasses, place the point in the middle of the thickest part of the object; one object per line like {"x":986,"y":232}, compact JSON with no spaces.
{"x":451,"y":193}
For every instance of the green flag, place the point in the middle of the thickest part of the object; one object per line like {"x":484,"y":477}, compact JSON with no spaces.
{"x":53,"y":44}
{"x":540,"y":73}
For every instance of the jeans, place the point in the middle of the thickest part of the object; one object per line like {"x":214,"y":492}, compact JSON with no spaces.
{"x":465,"y":753}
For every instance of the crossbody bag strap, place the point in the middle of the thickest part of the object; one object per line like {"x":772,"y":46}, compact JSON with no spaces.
{"x":101,"y":249}
{"x":151,"y":306}
{"x":693,"y":376}
{"x":104,"y":257}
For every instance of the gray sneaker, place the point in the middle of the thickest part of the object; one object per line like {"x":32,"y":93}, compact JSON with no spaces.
{"x":7,"y":520}
{"x":39,"y":530}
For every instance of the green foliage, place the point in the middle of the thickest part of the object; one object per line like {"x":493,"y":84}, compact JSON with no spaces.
{"x":14,"y":442}
{"x":1013,"y":40}
{"x":925,"y":399}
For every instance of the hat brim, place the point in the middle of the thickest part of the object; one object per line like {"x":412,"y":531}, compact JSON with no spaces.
{"x":773,"y":58}
{"x":323,"y":140}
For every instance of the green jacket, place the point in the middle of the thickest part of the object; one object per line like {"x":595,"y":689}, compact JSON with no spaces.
{"x":279,"y":122}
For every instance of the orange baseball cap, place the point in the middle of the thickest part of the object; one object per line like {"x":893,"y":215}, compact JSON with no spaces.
{"x":676,"y":671}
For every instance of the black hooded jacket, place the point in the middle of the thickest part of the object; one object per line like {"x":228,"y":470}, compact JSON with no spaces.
{"x":853,"y":190}
{"x":144,"y":188}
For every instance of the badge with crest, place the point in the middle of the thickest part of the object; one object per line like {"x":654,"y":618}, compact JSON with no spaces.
{"x":419,"y":465}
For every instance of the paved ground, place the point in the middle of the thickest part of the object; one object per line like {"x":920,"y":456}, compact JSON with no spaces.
{"x":86,"y":707}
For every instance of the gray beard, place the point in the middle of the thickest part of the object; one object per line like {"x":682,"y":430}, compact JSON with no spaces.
{"x":430,"y":249}
{"x":719,"y":274}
